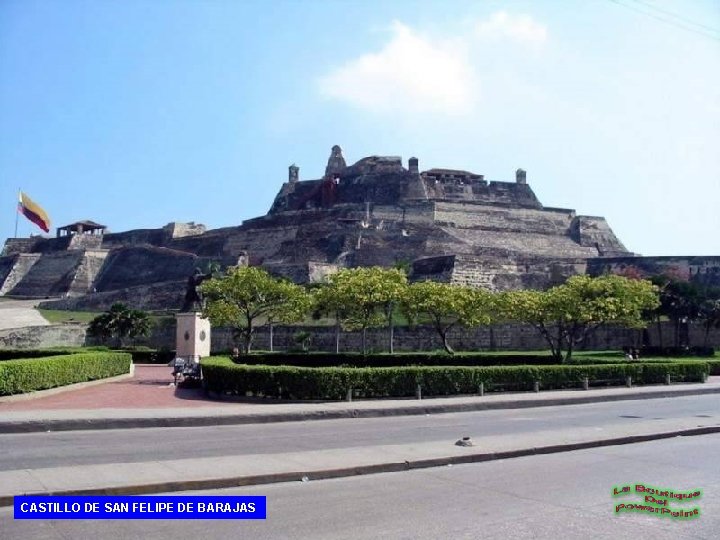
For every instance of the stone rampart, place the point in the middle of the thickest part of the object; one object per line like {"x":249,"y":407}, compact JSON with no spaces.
{"x":180,"y":230}
{"x":13,"y":246}
{"x":595,"y":232}
{"x":499,"y":218}
{"x":158,"y":296}
{"x":134,"y":266}
{"x":14,"y":268}
{"x":51,"y":275}
{"x":85,"y":241}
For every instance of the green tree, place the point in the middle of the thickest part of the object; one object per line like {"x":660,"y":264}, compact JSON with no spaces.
{"x":247,"y":295}
{"x":294,"y":303}
{"x":710,"y":316}
{"x":566,"y":314}
{"x":327,"y":300}
{"x":366,"y":298}
{"x":680,"y":302}
{"x":445,"y":305}
{"x":120,"y":322}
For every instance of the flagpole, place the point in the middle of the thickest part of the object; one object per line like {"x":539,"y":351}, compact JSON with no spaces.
{"x":16,"y":214}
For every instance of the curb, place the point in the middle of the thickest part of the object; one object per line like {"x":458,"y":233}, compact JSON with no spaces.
{"x":394,"y":466}
{"x":75,"y":424}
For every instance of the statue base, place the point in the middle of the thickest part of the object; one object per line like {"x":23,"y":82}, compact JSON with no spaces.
{"x":192,"y":337}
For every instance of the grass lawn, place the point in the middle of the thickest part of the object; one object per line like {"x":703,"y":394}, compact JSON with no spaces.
{"x":57,"y":316}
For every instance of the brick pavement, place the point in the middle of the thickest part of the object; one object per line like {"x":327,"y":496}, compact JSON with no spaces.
{"x":151,"y":387}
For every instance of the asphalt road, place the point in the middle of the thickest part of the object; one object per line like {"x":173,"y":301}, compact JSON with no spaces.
{"x":40,"y":450}
{"x":556,"y":496}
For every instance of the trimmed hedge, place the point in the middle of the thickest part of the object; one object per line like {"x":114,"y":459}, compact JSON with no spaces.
{"x":315,"y":360}
{"x":149,"y":356}
{"x":20,"y":376}
{"x":221,"y":375}
{"x":677,"y":351}
{"x":714,"y":367}
{"x":17,"y":354}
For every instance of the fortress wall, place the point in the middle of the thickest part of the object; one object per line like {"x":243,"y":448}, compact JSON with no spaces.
{"x":51,"y":275}
{"x":319,"y":272}
{"x":134,"y":266}
{"x":373,"y":247}
{"x":14,"y":268}
{"x":85,"y":241}
{"x":86,"y":272}
{"x":484,"y":273}
{"x":464,"y":186}
{"x":522,"y":220}
{"x":260,"y":244}
{"x":297,"y":273}
{"x":51,"y":245}
{"x":699,"y":269}
{"x":531,"y":244}
{"x":595,"y":231}
{"x":422,"y":214}
{"x":153,"y":237}
{"x":503,"y":275}
{"x":513,"y":193}
{"x":14,"y":246}
{"x":157,"y":296}
{"x":180,"y":230}
{"x":497,"y":273}
{"x":439,"y":268}
{"x":207,"y":245}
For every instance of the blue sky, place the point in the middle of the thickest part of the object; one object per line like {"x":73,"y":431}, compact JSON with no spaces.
{"x":135,"y":113}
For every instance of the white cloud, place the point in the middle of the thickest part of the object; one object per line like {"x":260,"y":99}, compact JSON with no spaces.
{"x":521,"y":28}
{"x":410,"y":74}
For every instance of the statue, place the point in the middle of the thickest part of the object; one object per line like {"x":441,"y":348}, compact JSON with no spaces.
{"x":194,"y":300}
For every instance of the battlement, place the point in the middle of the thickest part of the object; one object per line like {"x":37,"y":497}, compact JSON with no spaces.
{"x":384,"y":180}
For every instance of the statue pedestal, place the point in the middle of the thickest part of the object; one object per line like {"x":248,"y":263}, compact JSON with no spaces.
{"x":192,"y":337}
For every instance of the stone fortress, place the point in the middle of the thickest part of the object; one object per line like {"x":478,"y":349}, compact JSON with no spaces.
{"x":442,"y":224}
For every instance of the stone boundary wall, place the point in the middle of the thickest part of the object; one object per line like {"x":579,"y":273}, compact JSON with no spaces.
{"x":42,"y":337}
{"x":498,"y":337}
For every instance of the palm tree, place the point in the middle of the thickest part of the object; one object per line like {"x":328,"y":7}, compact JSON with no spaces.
{"x":120,"y":322}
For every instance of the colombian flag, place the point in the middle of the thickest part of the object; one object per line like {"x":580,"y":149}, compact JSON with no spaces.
{"x":33,"y":212}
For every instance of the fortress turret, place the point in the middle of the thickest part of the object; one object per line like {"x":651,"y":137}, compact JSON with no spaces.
{"x":336,"y":163}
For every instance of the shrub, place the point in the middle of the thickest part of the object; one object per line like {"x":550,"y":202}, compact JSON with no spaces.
{"x":19,"y":376}
{"x":222,"y":376}
{"x":677,"y":351}
{"x":394,"y":360}
{"x":714,"y":367}
{"x":146,"y":355}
